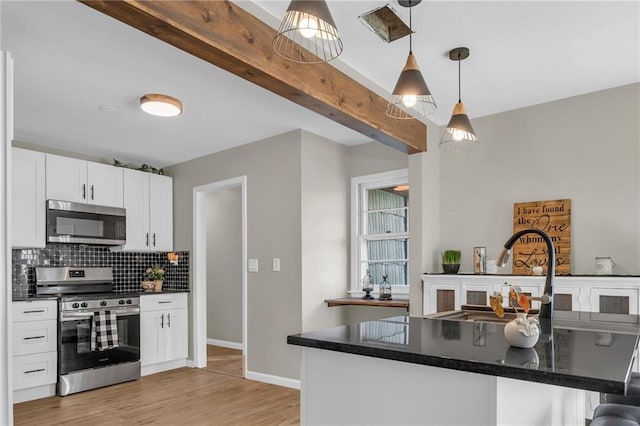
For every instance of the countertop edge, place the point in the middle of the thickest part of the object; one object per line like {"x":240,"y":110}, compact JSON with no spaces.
{"x":506,"y":371}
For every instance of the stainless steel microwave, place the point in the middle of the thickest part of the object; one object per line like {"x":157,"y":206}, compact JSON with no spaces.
{"x":79,"y":223}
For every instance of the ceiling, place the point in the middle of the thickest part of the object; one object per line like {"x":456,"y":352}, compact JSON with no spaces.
{"x":70,"y":60}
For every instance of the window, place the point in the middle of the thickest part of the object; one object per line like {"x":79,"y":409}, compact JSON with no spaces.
{"x":380,"y":230}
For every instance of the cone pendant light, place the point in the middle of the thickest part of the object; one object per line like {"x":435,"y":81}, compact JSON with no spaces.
{"x":459,"y":134}
{"x":308,"y":33}
{"x":411,"y":92}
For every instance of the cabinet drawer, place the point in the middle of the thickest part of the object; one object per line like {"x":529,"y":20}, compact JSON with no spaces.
{"x":158,"y":302}
{"x":34,"y":337}
{"x":34,"y":370}
{"x":35,"y":310}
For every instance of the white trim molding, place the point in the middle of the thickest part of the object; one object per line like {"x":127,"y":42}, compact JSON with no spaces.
{"x":377,"y":180}
{"x":6,"y":135}
{"x":273,"y":380}
{"x":199,"y":288}
{"x":225,"y":344}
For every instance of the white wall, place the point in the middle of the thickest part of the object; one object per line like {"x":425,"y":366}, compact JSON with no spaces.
{"x":585,"y":148}
{"x":224,"y":265}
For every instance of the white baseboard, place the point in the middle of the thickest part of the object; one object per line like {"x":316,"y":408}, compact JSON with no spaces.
{"x":163,"y":366}
{"x":273,"y":380}
{"x":225,"y":344}
{"x":190,"y":363}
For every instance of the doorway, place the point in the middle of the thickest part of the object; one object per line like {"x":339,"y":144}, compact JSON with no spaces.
{"x":218,"y":199}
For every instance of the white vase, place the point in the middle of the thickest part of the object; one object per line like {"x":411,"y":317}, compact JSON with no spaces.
{"x":522,"y":332}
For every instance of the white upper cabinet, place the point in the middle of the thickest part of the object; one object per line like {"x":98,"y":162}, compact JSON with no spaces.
{"x":105,"y":185}
{"x":70,"y":179}
{"x":148,"y":200}
{"x":161,"y":212}
{"x":28,"y":198}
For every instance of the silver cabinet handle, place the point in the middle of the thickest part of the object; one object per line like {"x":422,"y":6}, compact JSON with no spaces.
{"x":33,"y":337}
{"x":169,"y":320}
{"x":84,"y":191}
{"x":33,"y":312}
{"x":162,"y":321}
{"x":165,"y":301}
{"x":147,"y":240}
{"x":92,"y":192}
{"x":154,"y":239}
{"x":34,"y":371}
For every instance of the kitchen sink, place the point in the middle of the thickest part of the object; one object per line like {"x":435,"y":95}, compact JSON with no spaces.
{"x":473,"y":313}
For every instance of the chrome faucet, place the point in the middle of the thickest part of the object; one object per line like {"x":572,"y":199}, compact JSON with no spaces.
{"x":546,"y":309}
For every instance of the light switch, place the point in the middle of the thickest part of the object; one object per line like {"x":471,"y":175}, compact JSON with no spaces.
{"x":253,"y":265}
{"x":276,"y":264}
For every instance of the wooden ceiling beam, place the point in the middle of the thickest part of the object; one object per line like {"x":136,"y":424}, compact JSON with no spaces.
{"x":227,"y":36}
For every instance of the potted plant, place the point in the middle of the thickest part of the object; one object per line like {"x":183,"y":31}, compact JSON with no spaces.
{"x":155,"y":274}
{"x":451,"y":261}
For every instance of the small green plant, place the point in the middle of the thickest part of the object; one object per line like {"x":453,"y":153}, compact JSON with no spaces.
{"x":451,"y":257}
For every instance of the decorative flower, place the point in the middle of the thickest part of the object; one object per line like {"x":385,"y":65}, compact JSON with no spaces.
{"x":155,"y":273}
{"x":517,"y":299}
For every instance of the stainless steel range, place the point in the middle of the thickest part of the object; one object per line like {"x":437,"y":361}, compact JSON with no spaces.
{"x":98,"y":330}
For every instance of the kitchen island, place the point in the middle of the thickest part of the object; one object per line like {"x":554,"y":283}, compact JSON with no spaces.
{"x":406,"y":370}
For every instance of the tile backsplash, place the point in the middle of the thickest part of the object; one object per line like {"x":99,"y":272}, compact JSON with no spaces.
{"x":128,"y":267}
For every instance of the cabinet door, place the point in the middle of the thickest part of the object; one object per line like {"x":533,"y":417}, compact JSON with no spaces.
{"x":614,"y":304}
{"x":66,"y":179}
{"x":104,"y":185}
{"x":161,"y":212}
{"x":136,"y":202}
{"x":444,"y":297}
{"x":176,"y":334}
{"x":28,"y":198}
{"x":152,"y":337}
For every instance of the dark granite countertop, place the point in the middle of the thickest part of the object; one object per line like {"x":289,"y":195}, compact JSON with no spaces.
{"x":147,"y":293}
{"x":582,"y":354}
{"x":32,"y":298}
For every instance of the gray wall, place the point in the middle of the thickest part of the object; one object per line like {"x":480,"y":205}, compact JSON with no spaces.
{"x":272,"y":167}
{"x":224,"y":265}
{"x":325,"y":240}
{"x":585,"y":148}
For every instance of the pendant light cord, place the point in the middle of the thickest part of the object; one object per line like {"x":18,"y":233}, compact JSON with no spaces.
{"x":459,"y":96}
{"x":410,"y":30}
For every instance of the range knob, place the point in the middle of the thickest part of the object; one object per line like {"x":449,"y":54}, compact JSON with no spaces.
{"x":121,"y":302}
{"x":103,"y":303}
{"x":75,"y":305}
{"x":84,"y":304}
{"x":129,"y":301}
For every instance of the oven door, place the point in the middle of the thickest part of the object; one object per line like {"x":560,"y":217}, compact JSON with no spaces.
{"x":74,"y":341}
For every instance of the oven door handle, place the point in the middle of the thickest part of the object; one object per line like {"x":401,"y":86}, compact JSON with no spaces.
{"x":71,"y":316}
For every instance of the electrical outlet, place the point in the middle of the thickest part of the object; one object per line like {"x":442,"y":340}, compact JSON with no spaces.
{"x":253,"y":265}
{"x":276,"y":264}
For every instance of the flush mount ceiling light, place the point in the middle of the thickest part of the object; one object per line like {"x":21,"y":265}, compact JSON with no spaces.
{"x":459,"y":134}
{"x":411,"y":91}
{"x":161,"y":105}
{"x":307,"y":33}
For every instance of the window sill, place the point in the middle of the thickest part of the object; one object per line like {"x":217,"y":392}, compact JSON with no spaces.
{"x":358,"y":301}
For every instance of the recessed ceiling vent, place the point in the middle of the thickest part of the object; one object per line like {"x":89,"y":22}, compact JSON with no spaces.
{"x":385,"y":23}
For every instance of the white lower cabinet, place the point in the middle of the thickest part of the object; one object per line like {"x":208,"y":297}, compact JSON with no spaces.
{"x":163,"y":332}
{"x":35,"y":355}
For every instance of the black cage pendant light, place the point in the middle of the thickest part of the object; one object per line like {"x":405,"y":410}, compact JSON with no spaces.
{"x":307,"y":33}
{"x":411,"y":91}
{"x":459,"y":134}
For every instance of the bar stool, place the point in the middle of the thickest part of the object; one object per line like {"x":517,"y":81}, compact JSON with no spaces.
{"x":620,"y":410}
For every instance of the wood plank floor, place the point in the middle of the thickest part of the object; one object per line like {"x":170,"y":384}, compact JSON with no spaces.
{"x":224,"y":361}
{"x":185,"y":396}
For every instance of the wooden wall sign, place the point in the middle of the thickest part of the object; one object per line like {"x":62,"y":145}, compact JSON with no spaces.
{"x":554,"y":218}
